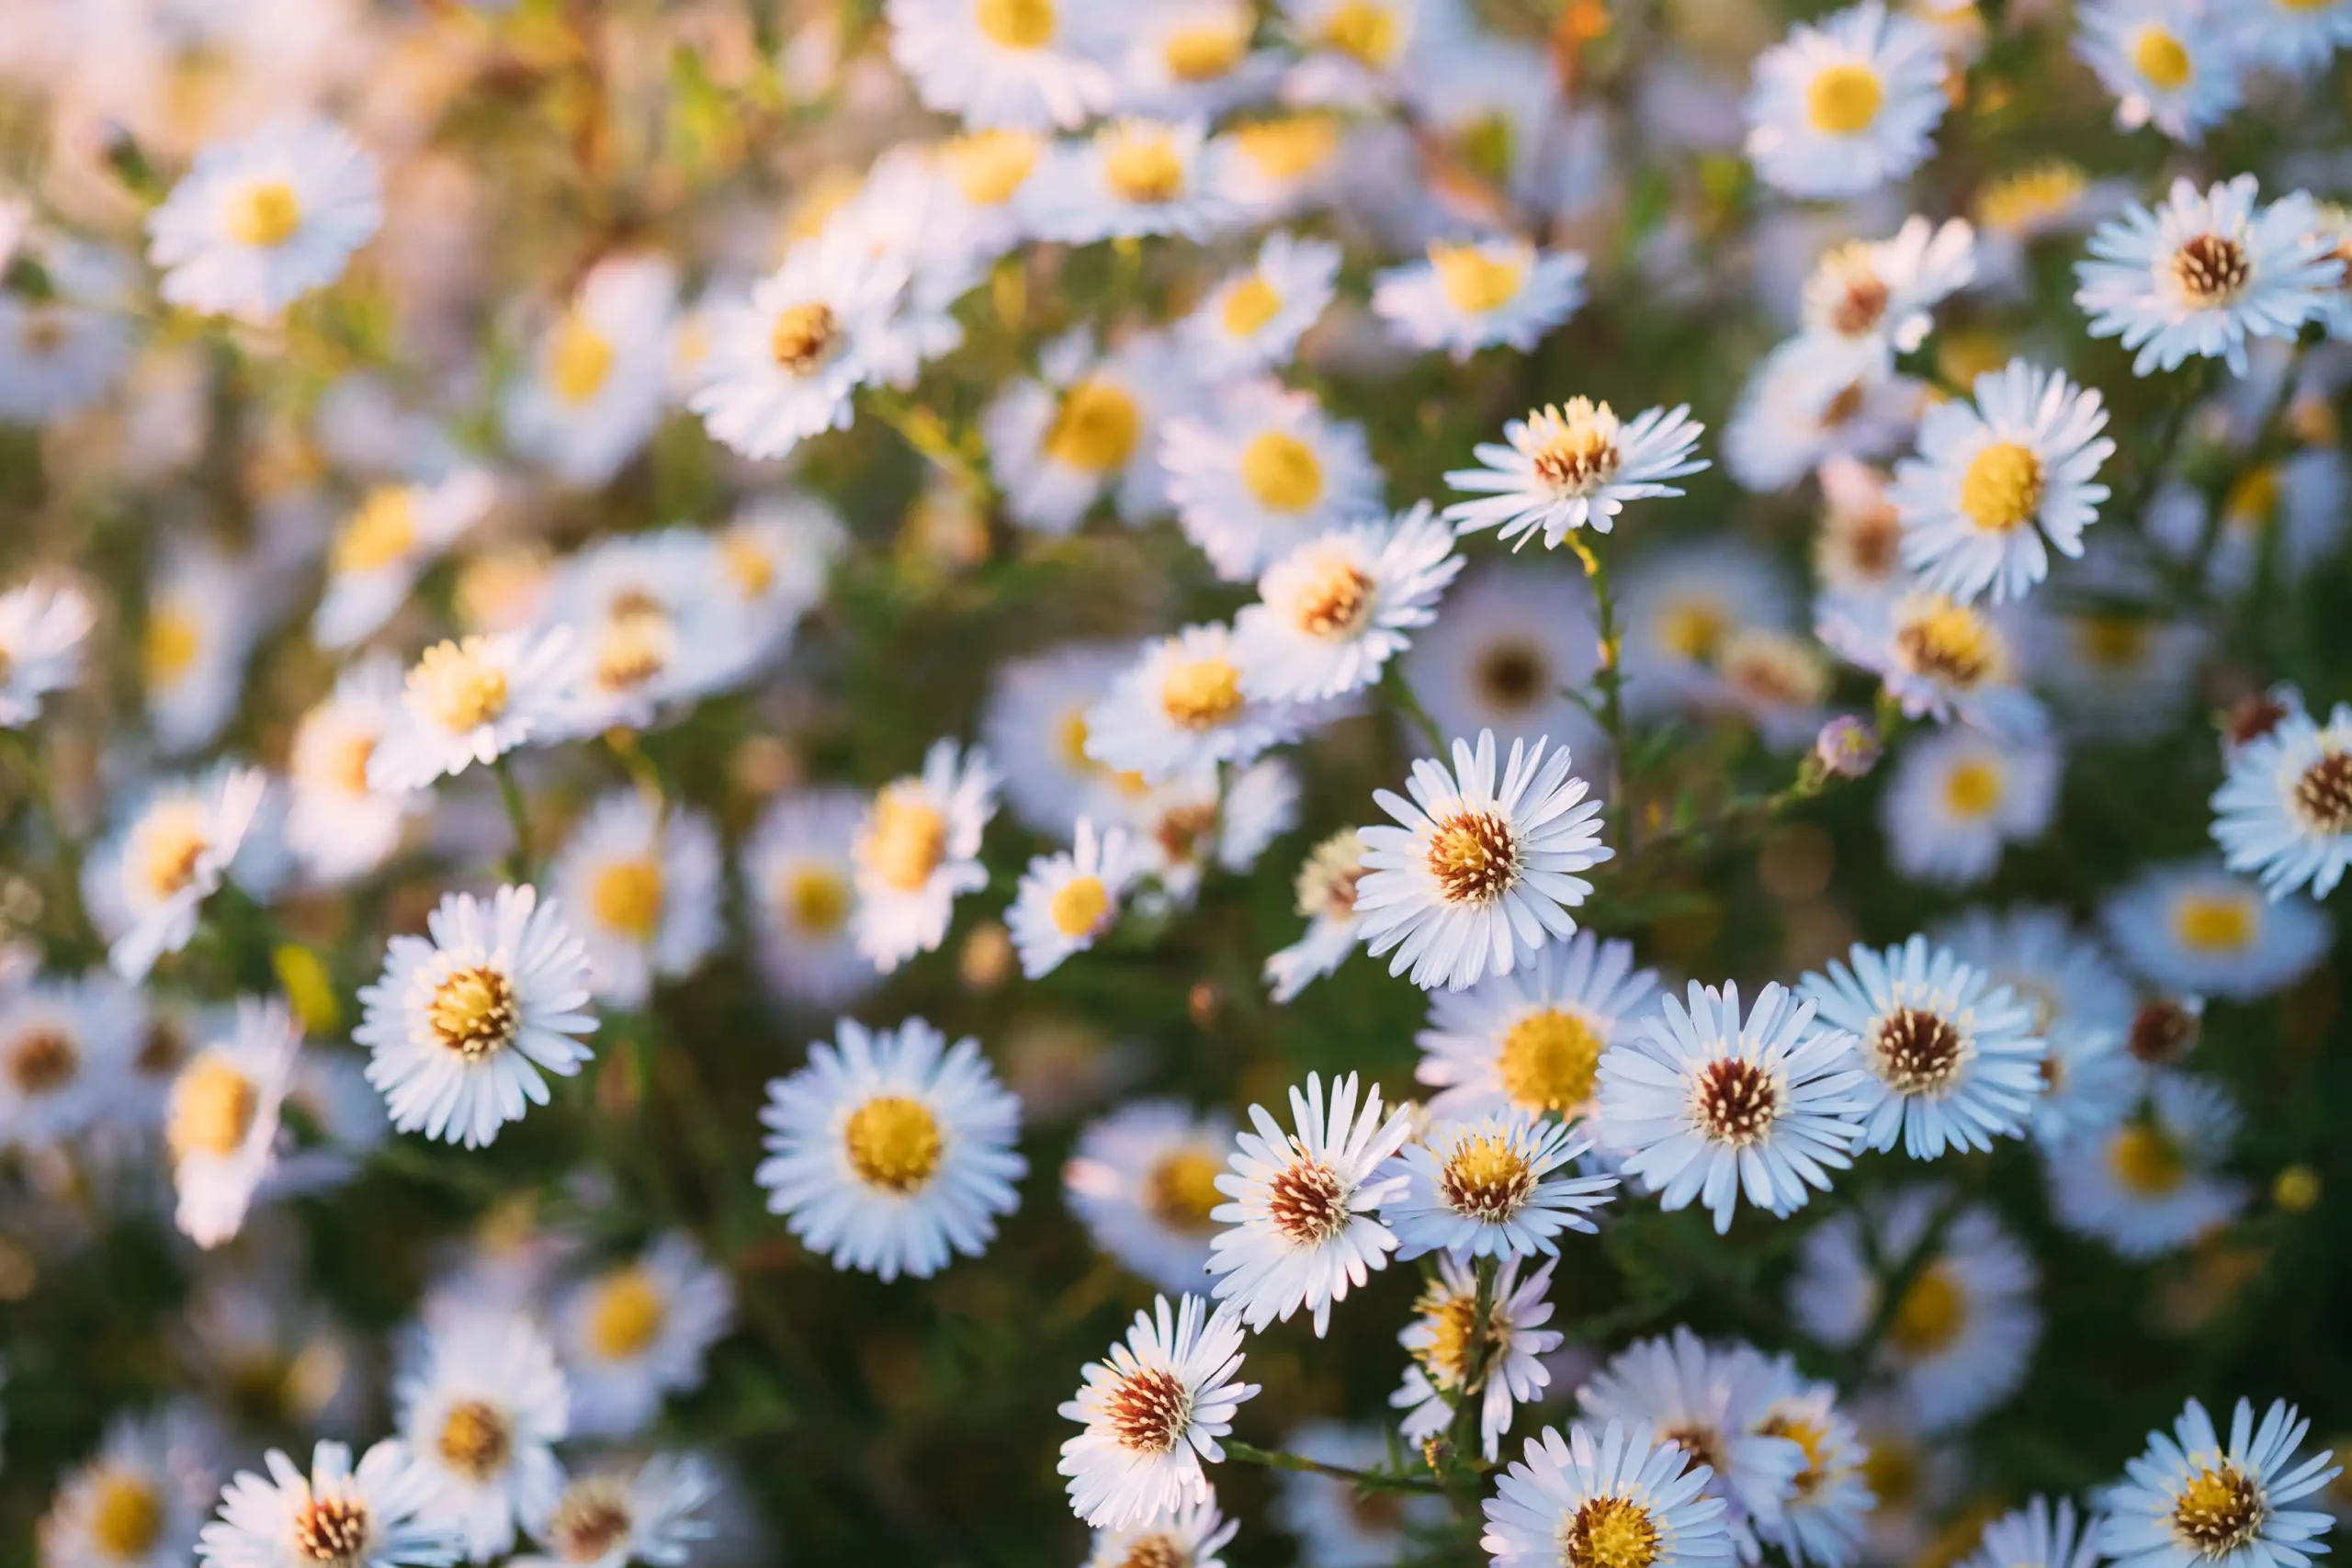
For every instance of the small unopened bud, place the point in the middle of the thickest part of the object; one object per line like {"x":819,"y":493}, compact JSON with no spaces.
{"x":1205,"y":1002}
{"x":2296,"y":1190}
{"x":1846,"y":746}
{"x":2165,"y":1029}
{"x":986,"y":958}
{"x":1436,"y":1452}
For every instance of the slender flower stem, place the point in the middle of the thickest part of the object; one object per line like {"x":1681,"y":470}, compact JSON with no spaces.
{"x":1611,"y":675}
{"x":1467,"y":1396}
{"x":518,"y":859}
{"x":1897,"y":1284}
{"x":1410,"y":704}
{"x":1365,"y":1480}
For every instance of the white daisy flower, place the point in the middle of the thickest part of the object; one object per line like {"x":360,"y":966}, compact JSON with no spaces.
{"x":384,"y":547}
{"x":1143,"y":1182}
{"x":57,"y":357}
{"x":2080,"y":1003}
{"x":222,"y":1126}
{"x":65,"y":1049}
{"x":140,"y":1500}
{"x":1281,"y":164}
{"x":777,"y":553}
{"x":474,"y":701}
{"x":892,"y":1149}
{"x":1827,"y":1513}
{"x":1251,"y":321}
{"x":1606,"y":1499}
{"x":1260,"y":467}
{"x":1704,"y":1104}
{"x":1035,"y":725}
{"x":147,"y":881}
{"x":2036,"y":1536}
{"x":1129,"y":179}
{"x":1439,"y":1338}
{"x":480,"y":1403}
{"x":2195,"y":926}
{"x":1333,"y":611}
{"x":258,"y":222}
{"x":2300,"y":37}
{"x":2154,"y":1182}
{"x":1153,"y":1409}
{"x":1181,"y":708}
{"x":1877,"y":299}
{"x":610,"y":1518}
{"x":658,"y":623}
{"x":2284,"y":810}
{"x":202,"y":625}
{"x":2205,"y":272}
{"x":460,"y":1025}
{"x":43,"y":627}
{"x":1183,"y":828}
{"x":800,"y":878}
{"x":2190,"y":1499}
{"x":1069,"y":899}
{"x":1191,"y":59}
{"x":1480,"y":874}
{"x":1192,"y":1535}
{"x":1810,"y":402}
{"x":644,"y":883}
{"x":1572,"y":467}
{"x":1533,"y":1039}
{"x":2169,"y":63}
{"x":2294,"y":506}
{"x":1326,"y":897}
{"x":1086,"y":426}
{"x":1467,"y":296}
{"x":918,"y":850}
{"x":1336,"y":1525}
{"x":1300,"y":1221}
{"x":1681,"y":612}
{"x":338,"y":829}
{"x":1998,"y":485}
{"x":1960,"y":796}
{"x":1023,"y":64}
{"x":1503,"y":1186}
{"x":784,"y":361}
{"x":634,"y":1334}
{"x":367,"y":1515}
{"x":1844,"y":107}
{"x":1937,"y":658}
{"x":596,"y":387}
{"x":1960,"y":1340}
{"x":1512,"y":642}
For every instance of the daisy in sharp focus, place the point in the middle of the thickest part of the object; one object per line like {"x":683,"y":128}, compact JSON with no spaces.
{"x":1020,"y":64}
{"x":1300,"y":1225}
{"x":140,"y":1500}
{"x":2195,"y":926}
{"x":1479,"y":874}
{"x":799,"y":879}
{"x":2193,"y":1501}
{"x":479,"y":1404}
{"x":2284,"y":810}
{"x":1960,"y":796}
{"x":643,"y":886}
{"x":473,"y":701}
{"x":146,"y":882}
{"x":609,"y":1517}
{"x":1324,"y":895}
{"x":42,"y":628}
{"x":892,"y":1150}
{"x":462,"y":1023}
{"x":2082,"y":1006}
{"x":1533,"y":1039}
{"x":1996,"y":486}
{"x":1333,"y":611}
{"x":1844,"y":105}
{"x":1252,"y":320}
{"x":2205,"y":272}
{"x":371,"y":1515}
{"x":1619,"y":1497}
{"x":1153,"y":1409}
{"x":1441,"y":1337}
{"x":918,"y":851}
{"x":396,"y":532}
{"x":1181,"y":708}
{"x":1705,"y":1104}
{"x":1088,"y":425}
{"x":2037,"y":1535}
{"x":1875,"y":298}
{"x":337,"y":829}
{"x":1129,"y":179}
{"x":1069,"y":899}
{"x":1466,"y":296}
{"x":1143,"y":1182}
{"x":1572,"y":467}
{"x":222,"y":1124}
{"x":2169,"y":63}
{"x":1260,"y":467}
{"x":595,"y":388}
{"x":1501,"y":1185}
{"x":2153,"y":1181}
{"x":639,"y":1331}
{"x":1192,"y":1535}
{"x":258,"y":222}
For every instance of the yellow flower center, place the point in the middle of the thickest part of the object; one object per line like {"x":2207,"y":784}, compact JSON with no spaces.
{"x":2214,"y":922}
{"x":803,"y":337}
{"x":1813,"y":1438}
{"x":893,"y":1143}
{"x":578,"y":360}
{"x":1282,"y":472}
{"x":1250,"y":305}
{"x":988,"y":166}
{"x":1693,"y":629}
{"x":127,"y":1517}
{"x":171,"y":841}
{"x":633,"y":649}
{"x":174,"y":639}
{"x":1844,"y":98}
{"x":2220,"y":1511}
{"x":2148,"y":1161}
{"x":907,"y":838}
{"x":1096,"y":429}
{"x":1366,"y":31}
{"x":1079,"y":905}
{"x":1201,"y":694}
{"x":2252,"y":503}
{"x":212,"y":1108}
{"x":747,"y":562}
{"x":2002,"y":489}
{"x":379,"y":533}
{"x":265,"y":214}
{"x":1933,"y":1312}
{"x":2160,"y":56}
{"x":1609,"y":1532}
{"x":476,"y":1439}
{"x":627,"y":896}
{"x":627,"y":1313}
{"x":1474,"y":282}
{"x":1016,"y":24}
{"x":1336,"y":602}
{"x":1574,"y":449}
{"x":1141,"y":165}
{"x":1972,"y":788}
{"x":457,"y":687}
{"x":2018,"y":202}
{"x":1487,"y":1178}
{"x":1947,"y":642}
{"x":473,"y":1012}
{"x":1181,"y":1190}
{"x":1289,"y":148}
{"x":2112,"y":642}
{"x":816,"y":899}
{"x":1890,"y":1468}
{"x":593,"y":1517}
{"x":1549,"y":1060}
{"x":1208,"y":51}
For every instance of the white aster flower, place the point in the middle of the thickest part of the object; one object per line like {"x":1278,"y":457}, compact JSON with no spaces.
{"x":1087,"y":426}
{"x":1681,"y":612}
{"x":1513,"y":642}
{"x":1181,"y":708}
{"x":1573,"y":467}
{"x":1022,"y":64}
{"x":1960,"y":796}
{"x":643,"y":885}
{"x":2152,"y":1182}
{"x":2293,"y":508}
{"x":202,"y":625}
{"x":140,"y":1500}
{"x":2037,"y":1535}
{"x":611,"y":1516}
{"x":2192,"y":1499}
{"x":1937,"y":658}
{"x":638,"y":1331}
{"x":596,"y":387}
{"x":473,"y":701}
{"x":1533,"y":1038}
{"x":2170,"y":63}
{"x":258,"y":222}
{"x":784,"y":361}
{"x":658,"y":621}
{"x":1259,"y":468}
{"x":1840,"y":108}
{"x":1069,"y":899}
{"x":1191,"y":59}
{"x":366,"y":1516}
{"x":800,"y":880}
{"x":1810,"y":401}
{"x":1034,"y":725}
{"x":1132,"y":178}
{"x":481,"y":1405}
{"x":1826,"y":1514}
{"x":57,"y":357}
{"x":147,"y":881}
{"x":2082,"y":1006}
{"x":222,"y":1122}
{"x":1333,"y":611}
{"x":2284,"y":810}
{"x":42,"y":628}
{"x":892,"y":1149}
{"x":1143,"y":1182}
{"x":1502,"y":1186}
{"x":1190,"y":1535}
{"x":461,"y":1025}
{"x":1480,"y":874}
{"x":1876,"y":299}
{"x":1467,"y":296}
{"x":385,"y":544}
{"x":2195,"y":926}
{"x":1325,"y":896}
{"x":66,"y":1046}
{"x":1252,"y":320}
{"x":918,"y":851}
{"x":2300,"y":37}
{"x":337,"y":828}
{"x":1606,"y":1499}
{"x":1153,"y":1409}
{"x":1439,"y":1338}
{"x":1300,"y":1221}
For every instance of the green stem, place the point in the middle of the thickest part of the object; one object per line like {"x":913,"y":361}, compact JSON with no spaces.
{"x":1411,"y":706}
{"x":1464,"y":1434}
{"x":1611,"y":675}
{"x":1364,"y":1480}
{"x":1895,"y":1286}
{"x":518,"y":859}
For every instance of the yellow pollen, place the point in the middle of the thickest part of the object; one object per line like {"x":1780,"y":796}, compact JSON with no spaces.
{"x":2148,"y":1161}
{"x":173,"y":642}
{"x":1933,"y":1312}
{"x":172,"y":840}
{"x":474,"y":1013}
{"x":1250,"y":305}
{"x":626,"y":1313}
{"x":1813,"y":1438}
{"x":1574,"y":448}
{"x":2002,"y":489}
{"x":1694,"y":629}
{"x":906,"y":839}
{"x":1291,"y":148}
{"x":1843,"y":99}
{"x":2112,"y":642}
{"x":1016,"y":24}
{"x":1335,"y":602}
{"x":988,"y":166}
{"x":1366,"y":31}
{"x":2018,"y":202}
{"x":333,"y":1530}
{"x":1609,"y":1532}
{"x":212,"y":1108}
{"x":1201,"y":694}
{"x":1282,"y":472}
{"x":264,"y":215}
{"x":2160,"y":56}
{"x":1891,"y":1467}
{"x":1549,"y":1060}
{"x":2214,"y":922}
{"x":2220,"y":1511}
{"x":476,"y":1439}
{"x":1142,"y":165}
{"x":633,"y":649}
{"x":803,"y":337}
{"x":126,"y":1519}
{"x":457,"y":687}
{"x":1973,"y":789}
{"x":816,"y":899}
{"x":1207,"y":51}
{"x":379,"y":533}
{"x":1079,"y":905}
{"x":1096,"y":429}
{"x":749,"y":565}
{"x":1181,"y":1190}
{"x":627,"y":896}
{"x":1487,"y":1178}
{"x":893,"y":1143}
{"x":578,"y":360}
{"x":1949,"y":643}
{"x":1474,"y":282}
{"x":1475,"y":857}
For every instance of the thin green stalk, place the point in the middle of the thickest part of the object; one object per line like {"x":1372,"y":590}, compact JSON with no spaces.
{"x":1411,"y":706}
{"x":1366,"y":1480}
{"x":1611,"y":675}
{"x":518,"y":858}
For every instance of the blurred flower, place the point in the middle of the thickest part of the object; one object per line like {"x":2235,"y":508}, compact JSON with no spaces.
{"x":2152,"y":1183}
{"x":1143,"y":1180}
{"x":1025,"y":64}
{"x":1466,"y":296}
{"x":1259,"y":468}
{"x":1067,"y":900}
{"x":638,"y":1331}
{"x":1182,"y":708}
{"x":799,"y":877}
{"x":473,"y":701}
{"x":1959,"y":797}
{"x":222,"y":1124}
{"x":1326,"y":897}
{"x":2195,"y":925}
{"x":616,"y":1514}
{"x":1252,"y":320}
{"x":918,"y":850}
{"x":43,"y":627}
{"x":2170,"y":63}
{"x":1847,"y":104}
{"x":148,"y":880}
{"x":644,"y":881}
{"x":140,"y":1500}
{"x":480,"y":1403}
{"x":261,"y":222}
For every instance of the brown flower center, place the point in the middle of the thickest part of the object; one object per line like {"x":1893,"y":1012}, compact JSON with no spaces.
{"x":1308,"y":1203}
{"x":42,"y":1061}
{"x":593,"y":1518}
{"x":1734,"y":1100}
{"x":2323,"y":794}
{"x":1336,"y":602}
{"x":1473,"y":856}
{"x":1149,"y":1410}
{"x":1511,"y":676}
{"x":2210,"y":270}
{"x":1916,"y":1052}
{"x":803,"y":337}
{"x":331,"y":1530}
{"x":2220,"y":1511}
